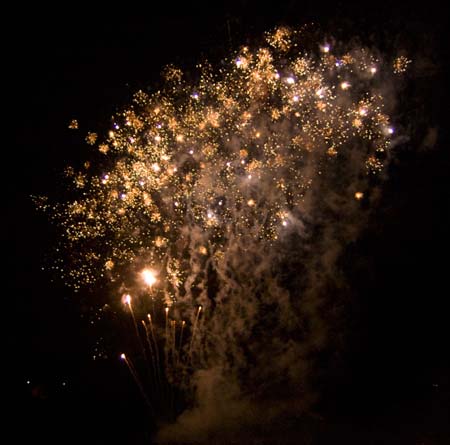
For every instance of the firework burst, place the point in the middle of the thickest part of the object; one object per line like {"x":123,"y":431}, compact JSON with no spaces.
{"x":235,"y":193}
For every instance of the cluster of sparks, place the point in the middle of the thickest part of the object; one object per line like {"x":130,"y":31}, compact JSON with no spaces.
{"x":200,"y":185}
{"x":191,"y":166}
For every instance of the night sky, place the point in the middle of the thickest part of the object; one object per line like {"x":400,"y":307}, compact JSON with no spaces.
{"x":392,"y":383}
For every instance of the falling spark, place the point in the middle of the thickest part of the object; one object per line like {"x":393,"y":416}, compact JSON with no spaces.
{"x":194,"y":330}
{"x":73,"y":125}
{"x":137,"y":380}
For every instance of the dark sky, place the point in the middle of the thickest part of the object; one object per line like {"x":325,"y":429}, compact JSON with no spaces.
{"x":77,"y":63}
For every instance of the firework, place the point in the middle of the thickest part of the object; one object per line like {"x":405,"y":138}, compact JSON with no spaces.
{"x":209,"y":191}
{"x":191,"y":167}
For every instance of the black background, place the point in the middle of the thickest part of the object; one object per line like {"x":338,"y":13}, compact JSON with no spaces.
{"x":74,"y":62}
